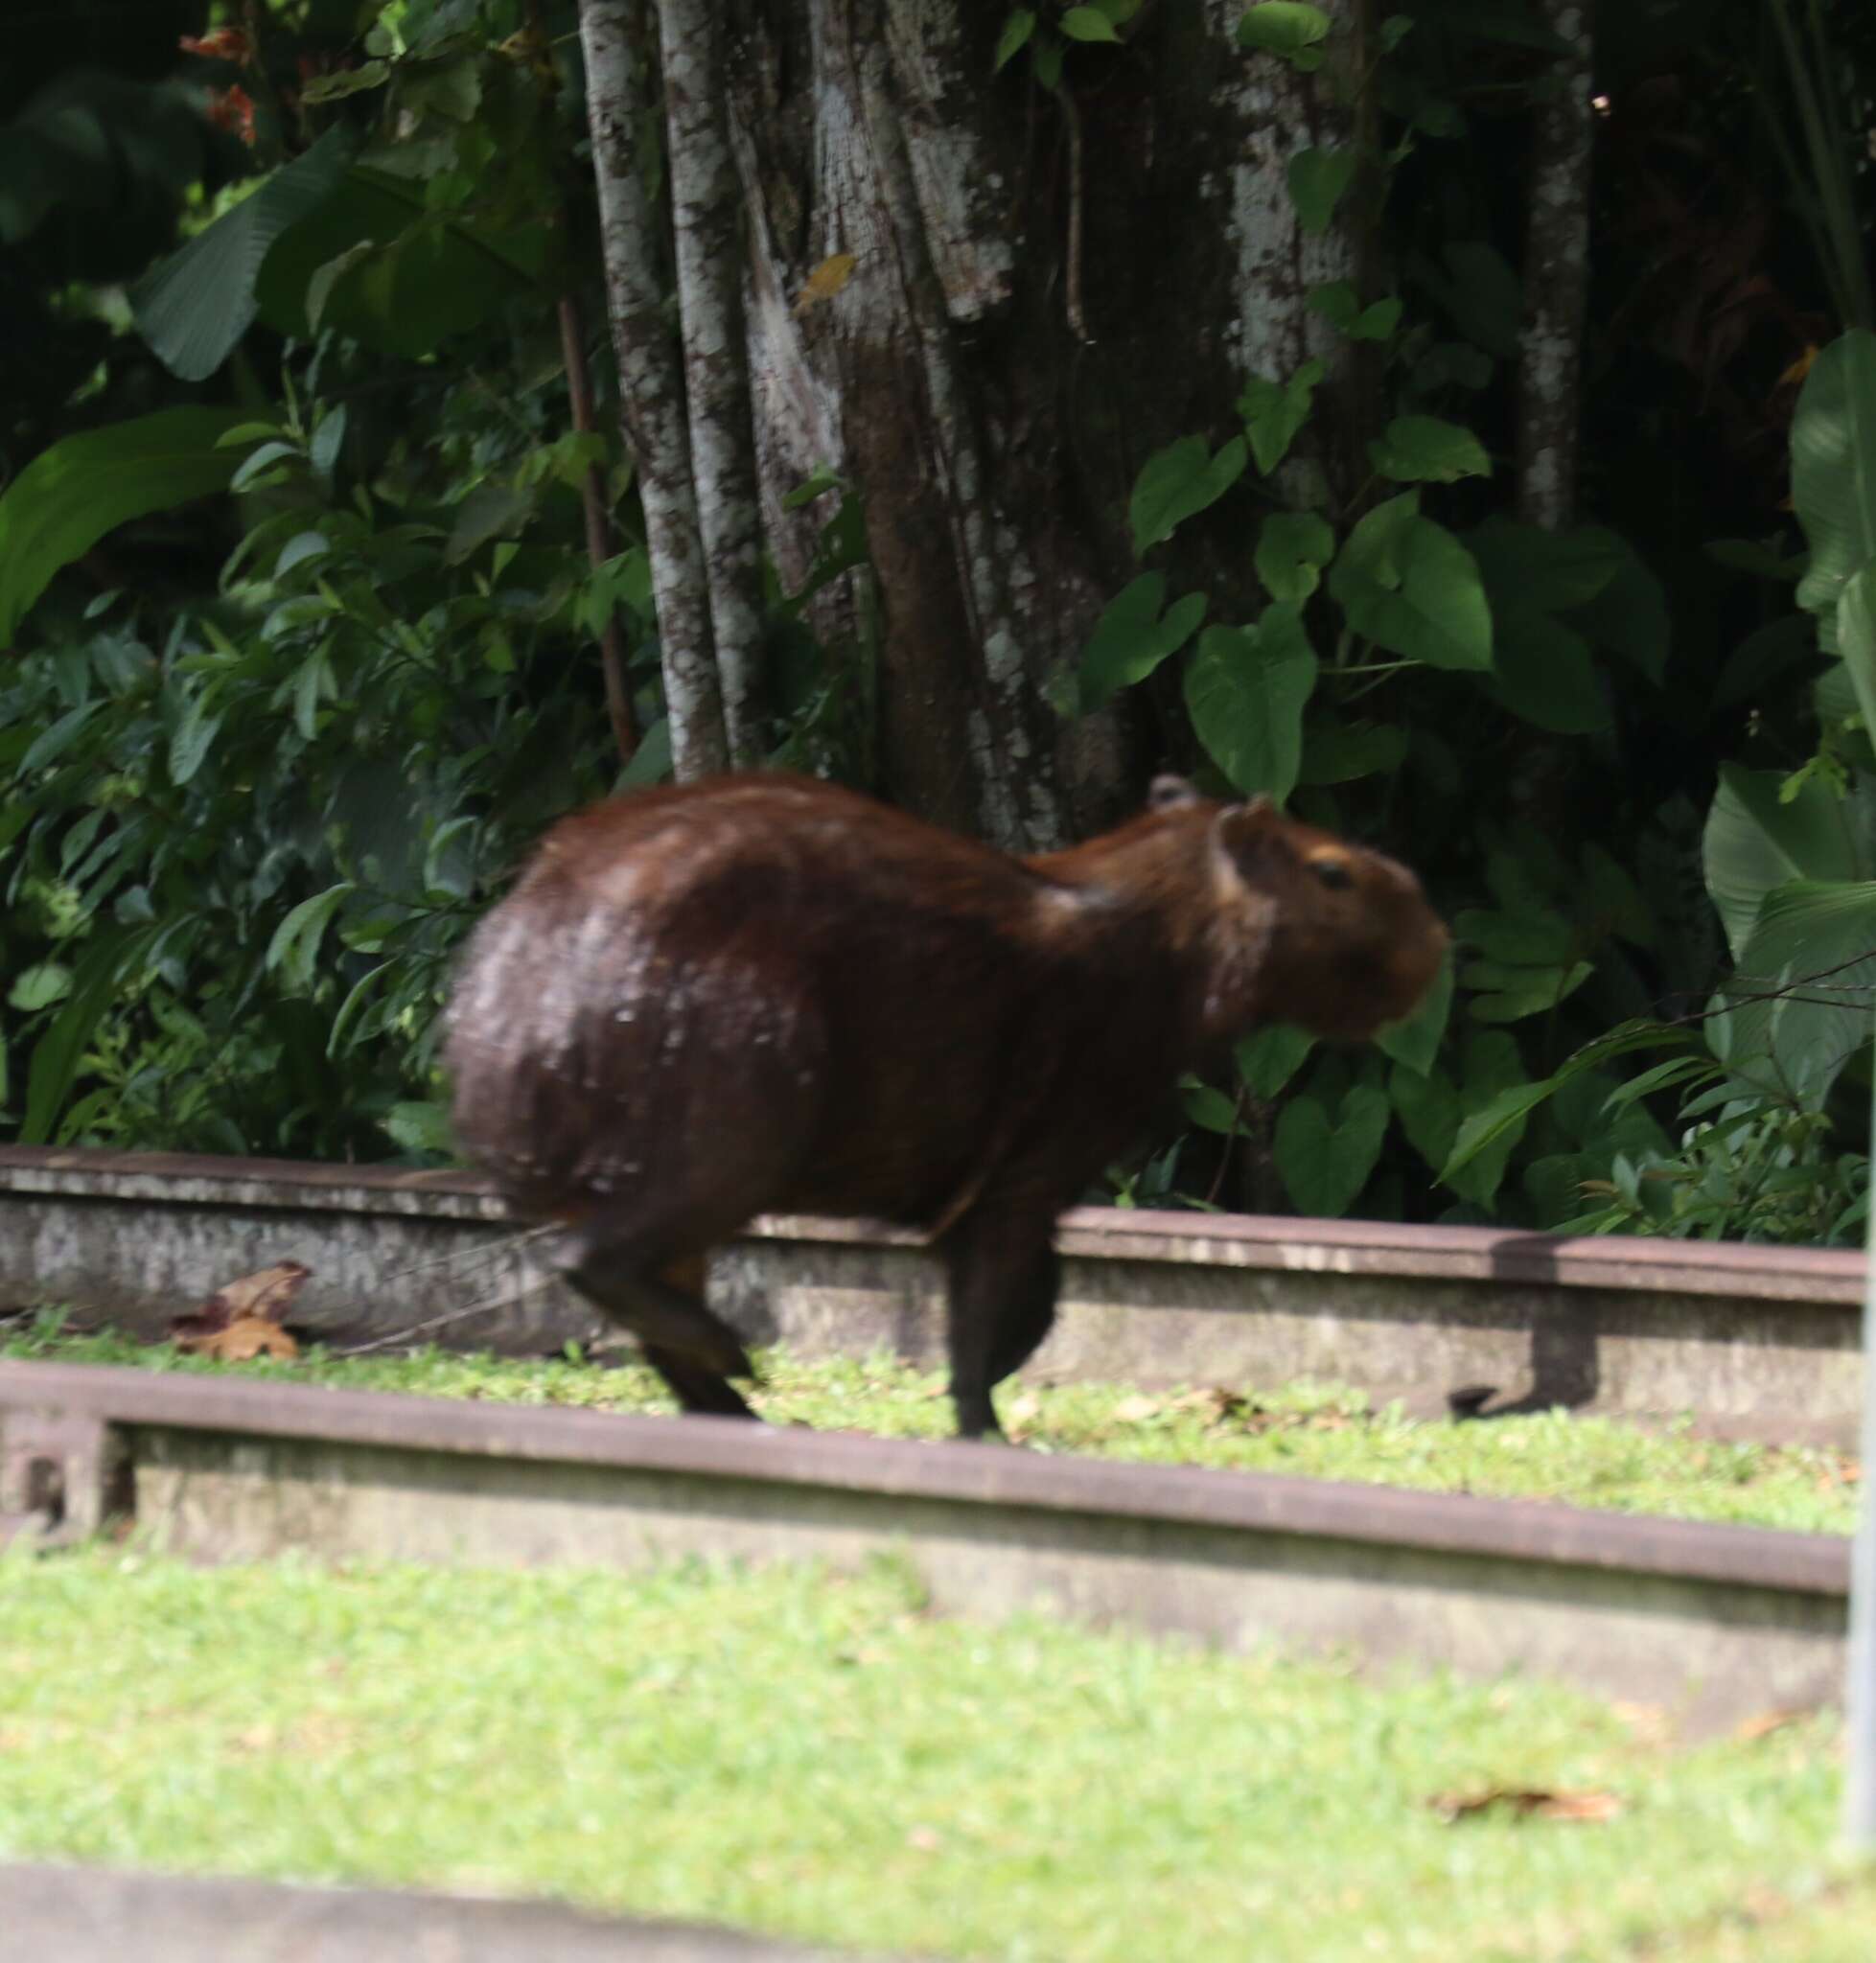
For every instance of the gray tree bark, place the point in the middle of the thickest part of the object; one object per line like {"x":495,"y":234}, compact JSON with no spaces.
{"x":1556,"y":276}
{"x":706,"y":228}
{"x":651,"y":390}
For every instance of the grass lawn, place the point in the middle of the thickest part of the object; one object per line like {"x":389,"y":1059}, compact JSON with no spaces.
{"x":819,"y":1757}
{"x":1317,"y":1431}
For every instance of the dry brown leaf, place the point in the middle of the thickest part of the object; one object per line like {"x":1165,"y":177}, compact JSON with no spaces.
{"x":825,"y":281}
{"x":1763,"y":1723}
{"x":1649,"y":1722}
{"x":1137,"y":1410}
{"x":265,"y":1295}
{"x":1214,"y":1403}
{"x":1534,"y":1803}
{"x":240,"y":1341}
{"x":1022,"y":1407}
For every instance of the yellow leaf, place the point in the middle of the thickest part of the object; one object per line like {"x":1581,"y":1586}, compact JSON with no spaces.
{"x":825,"y":281}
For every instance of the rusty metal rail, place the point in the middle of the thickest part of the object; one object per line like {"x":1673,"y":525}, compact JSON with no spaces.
{"x":1711,"y":1622}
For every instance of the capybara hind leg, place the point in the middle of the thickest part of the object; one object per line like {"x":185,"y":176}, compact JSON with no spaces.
{"x":1003,"y":1277}
{"x":661,"y":1313}
{"x":695,"y":1388}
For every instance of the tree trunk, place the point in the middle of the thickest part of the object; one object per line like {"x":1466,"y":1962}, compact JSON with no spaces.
{"x":1556,"y":276}
{"x":651,"y":389}
{"x":706,"y":228}
{"x":1030,"y":313}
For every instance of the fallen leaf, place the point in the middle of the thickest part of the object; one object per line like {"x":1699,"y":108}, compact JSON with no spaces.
{"x":1763,"y":1723}
{"x":1535,"y":1803}
{"x":1137,"y":1410}
{"x":1022,"y":1407}
{"x":241,"y":1341}
{"x":265,"y":1295}
{"x":825,"y":281}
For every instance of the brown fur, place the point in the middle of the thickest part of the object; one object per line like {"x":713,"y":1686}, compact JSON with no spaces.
{"x":767,"y":994}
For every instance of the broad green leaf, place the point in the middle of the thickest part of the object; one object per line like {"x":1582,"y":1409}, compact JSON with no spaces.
{"x":1424,"y":449}
{"x":1016,"y":32}
{"x":1545,"y":673}
{"x":1178,"y":482}
{"x":1798,"y":1008}
{"x":1482,"y":292}
{"x":1269,"y":1060}
{"x":295,"y":944}
{"x":1755,"y":841}
{"x":1274,"y":411}
{"x":1856,"y":639}
{"x":1502,"y":1117}
{"x":1210,"y":1108}
{"x":1526,"y":939}
{"x":1534,"y":571}
{"x":1409,"y":585}
{"x":1511,"y":994}
{"x":1130,"y":639}
{"x":1415,"y":1040}
{"x":1088,"y":24}
{"x":1337,"y":302}
{"x":53,"y":743}
{"x":419,"y":1128}
{"x":1246,"y":689}
{"x":1430,"y":1110}
{"x":1292,"y":548}
{"x":58,"y":1054}
{"x":193,"y":308}
{"x":1325,"y":1163}
{"x":1834,"y":468}
{"x":1284,"y":27}
{"x":1628,"y":616}
{"x":1610,"y":898}
{"x":1338,"y":752}
{"x":651,"y":762}
{"x":1766,"y":656}
{"x":194,"y":736}
{"x":70,"y":495}
{"x":40,"y":985}
{"x":424,"y":278}
{"x":1318,"y":180}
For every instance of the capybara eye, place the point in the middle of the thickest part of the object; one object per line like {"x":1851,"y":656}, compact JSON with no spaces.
{"x":1334,"y":873}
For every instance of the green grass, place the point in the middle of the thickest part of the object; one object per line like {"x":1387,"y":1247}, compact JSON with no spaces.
{"x":1316,"y":1431}
{"x":818,"y":1757}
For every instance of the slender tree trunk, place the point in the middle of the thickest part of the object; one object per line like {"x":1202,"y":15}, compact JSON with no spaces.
{"x":707,"y":225}
{"x":1556,"y":276}
{"x":601,"y":542}
{"x":650,"y":391}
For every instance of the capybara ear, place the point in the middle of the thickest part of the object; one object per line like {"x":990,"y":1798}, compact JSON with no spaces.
{"x":1251,"y":834}
{"x":1166,"y":791}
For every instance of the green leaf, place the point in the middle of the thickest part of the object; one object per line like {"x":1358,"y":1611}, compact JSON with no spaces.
{"x":195,"y":307}
{"x":1756,"y":841}
{"x":1246,"y":689}
{"x":1429,"y":1108}
{"x":54,"y":742}
{"x":58,"y":1054}
{"x":1482,"y":292}
{"x":1339,"y":303}
{"x":1338,"y":752}
{"x":1545,"y":673}
{"x":71,"y":496}
{"x":1318,"y":180}
{"x":1515,"y":993}
{"x":651,"y":762}
{"x":1268,"y":1060}
{"x":1503,"y":1116}
{"x":1424,"y":449}
{"x":1799,"y":1008}
{"x":1856,"y":639}
{"x":1209,"y":1108}
{"x":1178,"y":482}
{"x":295,"y":944}
{"x":1016,"y":32}
{"x":1088,"y":24}
{"x":40,"y":985}
{"x":194,"y":736}
{"x":1274,"y":411}
{"x":419,"y":1128}
{"x":1323,"y":1163}
{"x":1409,"y":585}
{"x":1284,"y":27}
{"x":1522,"y":939}
{"x":1292,"y":548}
{"x":1834,"y":468}
{"x":1415,"y":1040}
{"x":1130,"y":639}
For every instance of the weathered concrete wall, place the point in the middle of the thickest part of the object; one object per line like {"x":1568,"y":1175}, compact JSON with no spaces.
{"x":1761,"y":1341}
